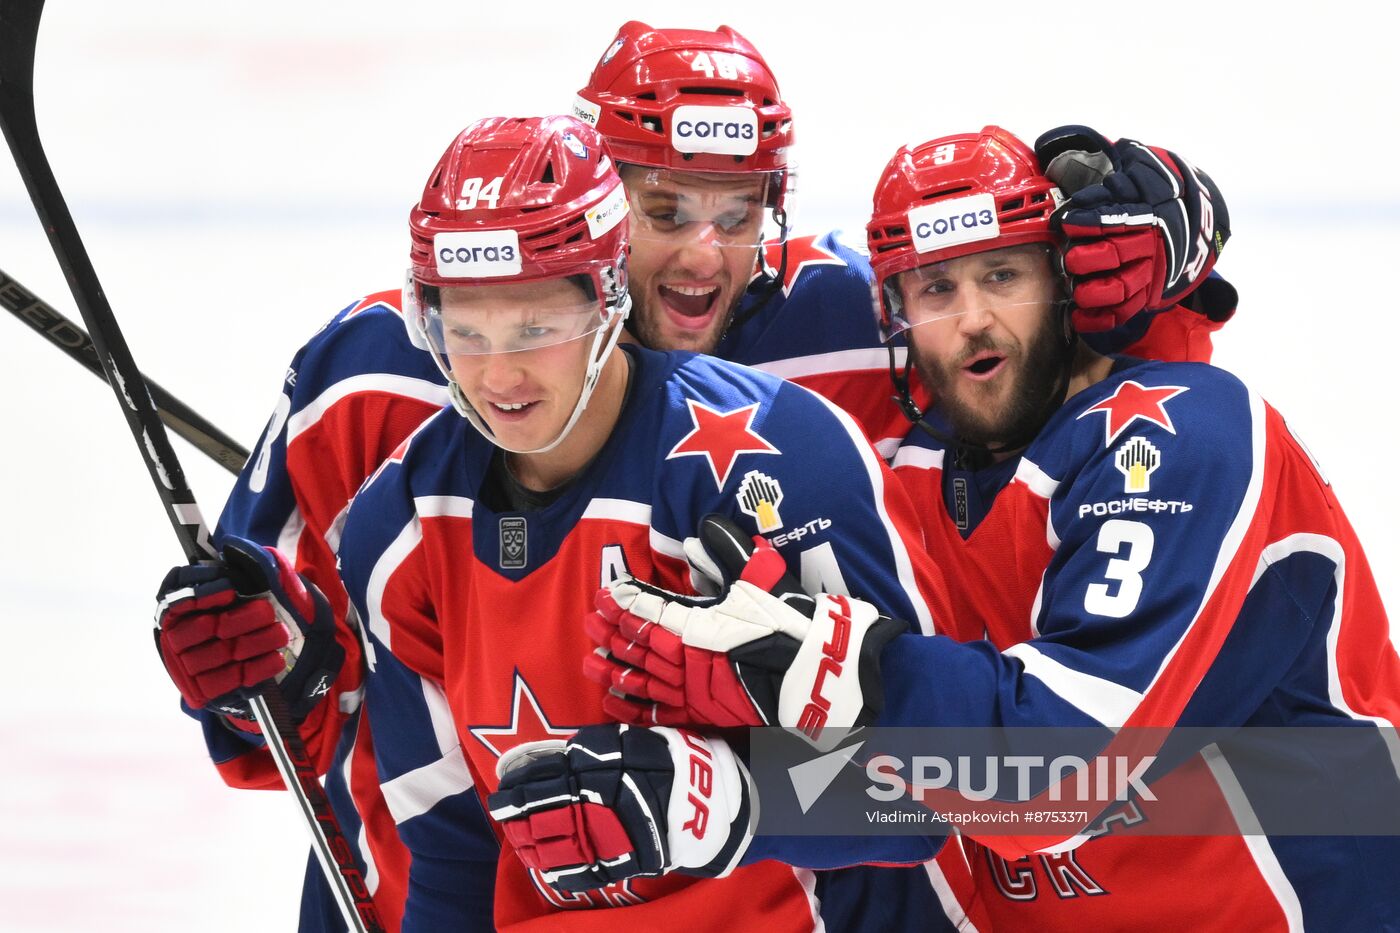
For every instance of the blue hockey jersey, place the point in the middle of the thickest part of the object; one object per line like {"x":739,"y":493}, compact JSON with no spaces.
{"x":1165,"y":553}
{"x":487,"y":604}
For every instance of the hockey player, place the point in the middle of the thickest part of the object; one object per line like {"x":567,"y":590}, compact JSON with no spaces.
{"x":566,"y":461}
{"x":1134,"y":544}
{"x":703,"y":140}
{"x":358,"y":388}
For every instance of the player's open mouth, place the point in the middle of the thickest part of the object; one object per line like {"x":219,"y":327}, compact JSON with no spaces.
{"x":511,"y":412}
{"x":691,"y":306}
{"x":984,"y":366}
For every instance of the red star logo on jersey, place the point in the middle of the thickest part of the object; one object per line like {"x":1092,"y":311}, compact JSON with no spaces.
{"x":528,"y":723}
{"x":388,"y":300}
{"x":1132,"y":401}
{"x":802,"y":252}
{"x":720,"y":437}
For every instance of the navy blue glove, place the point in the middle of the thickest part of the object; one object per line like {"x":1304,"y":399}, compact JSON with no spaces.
{"x":228,"y":629}
{"x":617,"y":802}
{"x":1143,"y":228}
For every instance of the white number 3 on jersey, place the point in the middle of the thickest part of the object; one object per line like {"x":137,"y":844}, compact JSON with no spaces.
{"x":1125,"y":571}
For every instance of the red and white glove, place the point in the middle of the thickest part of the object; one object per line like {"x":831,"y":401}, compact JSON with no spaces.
{"x":228,"y":629}
{"x":616,"y":802}
{"x":761,"y":652}
{"x":1143,"y":227}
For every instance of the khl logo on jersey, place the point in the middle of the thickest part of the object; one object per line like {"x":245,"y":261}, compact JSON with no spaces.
{"x":1137,"y":460}
{"x":513,"y":543}
{"x":759,"y":497}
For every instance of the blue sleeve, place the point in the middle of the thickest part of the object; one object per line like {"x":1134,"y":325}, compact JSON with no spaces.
{"x":846,"y":527}
{"x":430,"y":790}
{"x":433,"y":799}
{"x":1141,"y":592}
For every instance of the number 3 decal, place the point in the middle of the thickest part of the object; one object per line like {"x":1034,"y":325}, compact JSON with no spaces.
{"x":1126,"y":571}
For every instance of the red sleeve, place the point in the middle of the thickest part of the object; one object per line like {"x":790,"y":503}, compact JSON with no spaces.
{"x":1177,"y":335}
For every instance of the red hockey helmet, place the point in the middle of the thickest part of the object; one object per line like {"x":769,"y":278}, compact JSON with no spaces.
{"x":693,"y":101}
{"x":516,"y":200}
{"x":520,"y":198}
{"x":687,"y":99}
{"x":950,"y":197}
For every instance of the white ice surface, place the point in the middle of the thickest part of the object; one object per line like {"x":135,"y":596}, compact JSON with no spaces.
{"x":240,"y":172}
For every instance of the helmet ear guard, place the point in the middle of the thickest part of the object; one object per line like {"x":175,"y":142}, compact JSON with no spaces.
{"x":413,"y":315}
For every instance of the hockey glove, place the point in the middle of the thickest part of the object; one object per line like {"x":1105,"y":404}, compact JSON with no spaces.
{"x":1142,"y":226}
{"x":617,"y":802}
{"x":762,"y":652}
{"x":226,"y":629}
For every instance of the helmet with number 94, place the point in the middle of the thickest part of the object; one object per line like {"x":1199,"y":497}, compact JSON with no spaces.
{"x":519,"y":201}
{"x":951,"y":197}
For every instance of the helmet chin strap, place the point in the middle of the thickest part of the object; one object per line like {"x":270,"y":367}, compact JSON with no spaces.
{"x":1054,"y":399}
{"x":604,"y":339}
{"x":771,"y":280}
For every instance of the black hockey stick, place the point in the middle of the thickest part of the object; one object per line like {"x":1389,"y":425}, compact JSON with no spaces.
{"x":19,"y":28}
{"x":73,"y":340}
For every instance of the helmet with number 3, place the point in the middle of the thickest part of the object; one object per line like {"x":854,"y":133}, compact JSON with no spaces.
{"x":521,"y":200}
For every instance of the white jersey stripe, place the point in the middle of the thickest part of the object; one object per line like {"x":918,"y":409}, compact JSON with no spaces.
{"x":920,"y":458}
{"x":1332,"y":550}
{"x":443,"y":506}
{"x":635,"y":513}
{"x":362,"y":837}
{"x":808,"y":880}
{"x":903,"y":566}
{"x":1036,"y":480}
{"x":1104,"y":700}
{"x":421,"y":789}
{"x":408,"y":539}
{"x":949,"y":901}
{"x":835,"y":363}
{"x":1230,"y":546}
{"x":1254,"y":839}
{"x":621,"y":510}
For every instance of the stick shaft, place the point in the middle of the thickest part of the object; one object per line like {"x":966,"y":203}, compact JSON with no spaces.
{"x":69,"y":337}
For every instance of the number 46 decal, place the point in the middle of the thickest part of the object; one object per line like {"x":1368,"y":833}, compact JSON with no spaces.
{"x":1123,"y":569}
{"x":726,"y":65}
